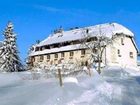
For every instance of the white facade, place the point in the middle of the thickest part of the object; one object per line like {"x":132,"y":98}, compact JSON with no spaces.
{"x":122,"y":54}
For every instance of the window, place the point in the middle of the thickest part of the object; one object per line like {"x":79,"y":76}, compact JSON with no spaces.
{"x":122,"y":41}
{"x":41,"y":58}
{"x":62,"y":54}
{"x":32,"y":59}
{"x":37,"y":49}
{"x":41,"y":48}
{"x":71,"y":53}
{"x":56,"y":55}
{"x":83,"y":52}
{"x":48,"y":57}
{"x":119,"y":54}
{"x":131,"y":54}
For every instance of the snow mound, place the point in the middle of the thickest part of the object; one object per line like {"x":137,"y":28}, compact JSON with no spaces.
{"x":9,"y":79}
{"x":82,"y":90}
{"x":70,"y":80}
{"x":133,"y":71}
{"x":121,"y":72}
{"x":101,"y":95}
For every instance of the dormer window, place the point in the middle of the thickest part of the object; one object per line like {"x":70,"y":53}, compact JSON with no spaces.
{"x":37,"y":49}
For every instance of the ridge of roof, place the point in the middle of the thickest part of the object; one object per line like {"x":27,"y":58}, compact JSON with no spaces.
{"x":109,"y":29}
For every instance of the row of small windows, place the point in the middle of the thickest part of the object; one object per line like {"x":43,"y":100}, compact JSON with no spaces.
{"x":58,"y":45}
{"x":56,"y":55}
{"x":131,"y":55}
{"x":71,"y":54}
{"x":68,"y":43}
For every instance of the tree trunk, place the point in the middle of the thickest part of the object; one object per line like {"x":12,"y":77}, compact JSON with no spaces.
{"x":89,"y":71}
{"x":60,"y":77}
{"x":99,"y":65}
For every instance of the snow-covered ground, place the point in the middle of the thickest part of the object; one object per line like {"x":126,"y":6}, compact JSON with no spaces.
{"x":17,"y":89}
{"x":115,"y":86}
{"x":127,"y":85}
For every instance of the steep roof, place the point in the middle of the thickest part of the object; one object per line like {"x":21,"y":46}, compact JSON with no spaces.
{"x":108,"y":29}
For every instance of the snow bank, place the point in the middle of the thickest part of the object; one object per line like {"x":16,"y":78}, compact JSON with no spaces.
{"x":70,"y":80}
{"x":115,"y":72}
{"x":9,"y":79}
{"x":121,"y":72}
{"x":133,"y":71}
{"x":83,"y":90}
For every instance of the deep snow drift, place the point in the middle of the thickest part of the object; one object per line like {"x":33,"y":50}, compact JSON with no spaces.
{"x":17,"y":89}
{"x":115,"y":86}
{"x":127,"y":85}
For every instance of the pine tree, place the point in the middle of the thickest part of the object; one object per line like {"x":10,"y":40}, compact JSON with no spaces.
{"x":9,"y":53}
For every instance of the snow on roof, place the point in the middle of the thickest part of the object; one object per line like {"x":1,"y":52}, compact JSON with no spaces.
{"x":108,"y":29}
{"x":54,"y":50}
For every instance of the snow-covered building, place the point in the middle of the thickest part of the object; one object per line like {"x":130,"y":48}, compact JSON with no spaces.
{"x":65,"y":45}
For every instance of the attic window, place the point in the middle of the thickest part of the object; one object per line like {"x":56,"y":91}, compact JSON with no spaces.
{"x":131,"y":54}
{"x":122,"y":41}
{"x":37,"y":49}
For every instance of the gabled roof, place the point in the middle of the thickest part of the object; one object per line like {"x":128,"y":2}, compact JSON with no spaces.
{"x":108,"y":29}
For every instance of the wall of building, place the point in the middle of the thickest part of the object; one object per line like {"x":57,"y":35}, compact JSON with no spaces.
{"x":122,"y":52}
{"x":117,"y":53}
{"x":76,"y":58}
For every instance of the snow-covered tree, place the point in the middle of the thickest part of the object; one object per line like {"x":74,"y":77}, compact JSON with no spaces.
{"x":96,"y":42}
{"x":9,"y":53}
